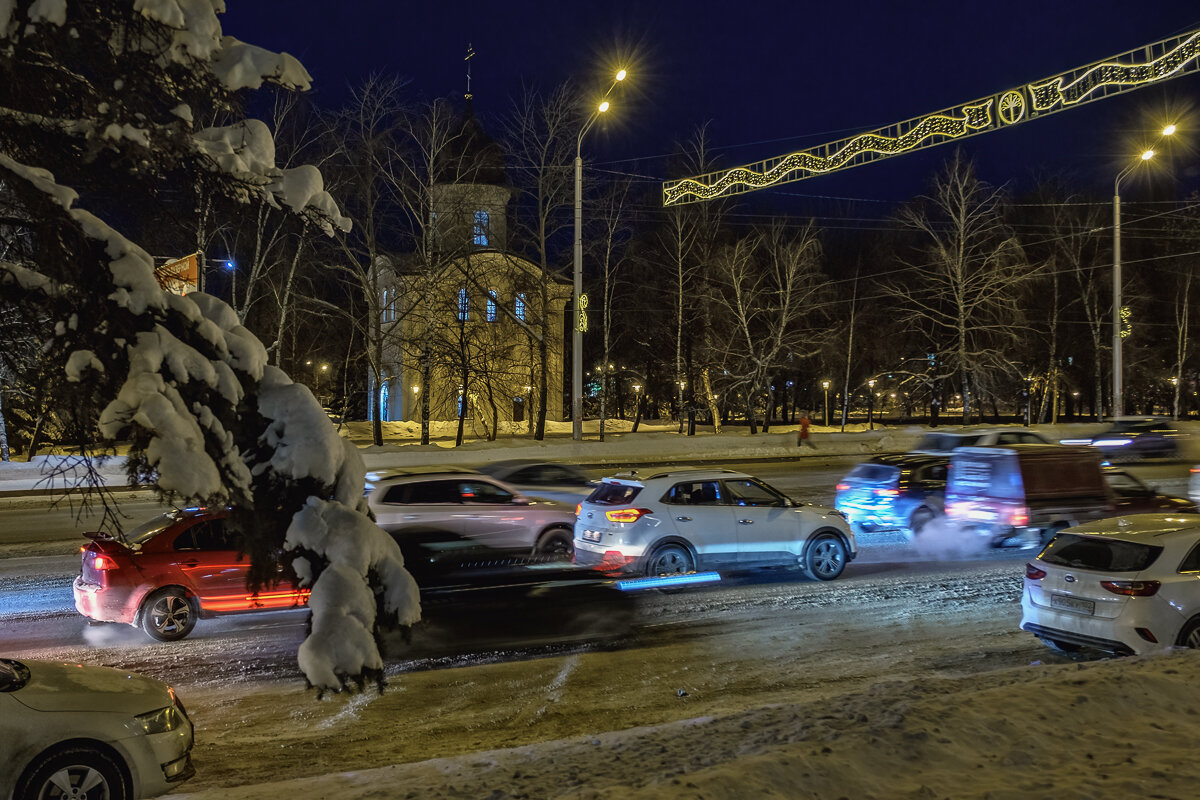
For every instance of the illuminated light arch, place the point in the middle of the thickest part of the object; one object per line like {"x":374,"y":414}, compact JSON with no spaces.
{"x":1162,"y":60}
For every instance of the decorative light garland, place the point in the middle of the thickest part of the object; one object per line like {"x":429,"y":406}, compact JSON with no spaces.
{"x":1179,"y":56}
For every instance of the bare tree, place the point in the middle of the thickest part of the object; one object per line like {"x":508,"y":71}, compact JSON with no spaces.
{"x":962,"y":290}
{"x":541,"y":136}
{"x":764,"y":299}
{"x":614,"y":229}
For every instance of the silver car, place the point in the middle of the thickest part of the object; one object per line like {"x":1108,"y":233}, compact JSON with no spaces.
{"x":70,"y":730}
{"x":681,"y":520}
{"x":472,"y":505}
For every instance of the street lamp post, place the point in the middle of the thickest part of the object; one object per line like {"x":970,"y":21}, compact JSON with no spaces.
{"x":871,"y":404}
{"x":1117,"y":389}
{"x":580,"y":320}
{"x":825,"y":386}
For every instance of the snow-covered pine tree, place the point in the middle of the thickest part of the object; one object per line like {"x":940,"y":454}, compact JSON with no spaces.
{"x":102,"y":144}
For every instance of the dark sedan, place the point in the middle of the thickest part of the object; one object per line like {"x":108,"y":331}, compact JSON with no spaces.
{"x":894,"y":491}
{"x":1135,"y":438}
{"x":1134,"y":497}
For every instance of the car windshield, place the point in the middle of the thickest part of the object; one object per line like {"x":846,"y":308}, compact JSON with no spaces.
{"x":1099,"y":554}
{"x":13,"y":675}
{"x":613,"y":494}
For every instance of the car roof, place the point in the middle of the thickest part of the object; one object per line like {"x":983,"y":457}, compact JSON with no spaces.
{"x":677,"y":473}
{"x":915,"y":458}
{"x":513,"y":464}
{"x":1141,"y":527}
{"x":388,"y":473}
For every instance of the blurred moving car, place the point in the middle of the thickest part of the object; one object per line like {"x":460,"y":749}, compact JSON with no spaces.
{"x":894,"y":491}
{"x":473,"y":505}
{"x":562,"y":482}
{"x":1026,"y":492}
{"x":1132,"y":496}
{"x":478,"y":593}
{"x":680,"y":520}
{"x":171,"y":571}
{"x":1135,"y":438}
{"x":1127,"y":586}
{"x":75,"y":731}
{"x":945,"y":441}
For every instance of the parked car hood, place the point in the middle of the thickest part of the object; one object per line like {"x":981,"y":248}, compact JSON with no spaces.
{"x":76,"y":687}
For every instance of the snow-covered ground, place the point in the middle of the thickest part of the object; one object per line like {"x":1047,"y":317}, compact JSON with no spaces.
{"x":868,"y":687}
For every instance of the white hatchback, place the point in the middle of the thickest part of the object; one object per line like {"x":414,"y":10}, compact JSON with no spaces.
{"x":681,"y":520}
{"x":1126,"y":585}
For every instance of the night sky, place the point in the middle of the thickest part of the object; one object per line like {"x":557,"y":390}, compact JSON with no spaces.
{"x":771,"y":77}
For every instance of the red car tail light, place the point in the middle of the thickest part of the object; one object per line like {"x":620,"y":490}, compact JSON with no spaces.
{"x":841,"y":487}
{"x":1019,"y":516}
{"x":1132,"y":588}
{"x":887,"y":492}
{"x":1033,"y":573}
{"x":578,"y":508}
{"x":626,"y":514}
{"x":103,"y":563}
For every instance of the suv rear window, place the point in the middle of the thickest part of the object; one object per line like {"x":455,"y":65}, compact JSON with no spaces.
{"x":613,"y":494}
{"x":990,"y":475}
{"x":875,"y":473}
{"x":1101,"y":555}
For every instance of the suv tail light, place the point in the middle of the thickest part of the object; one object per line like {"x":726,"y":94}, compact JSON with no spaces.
{"x":626,"y":514}
{"x":1033,"y":573}
{"x":1132,"y":588}
{"x":841,"y":487}
{"x":887,"y":492}
{"x":1019,"y":517}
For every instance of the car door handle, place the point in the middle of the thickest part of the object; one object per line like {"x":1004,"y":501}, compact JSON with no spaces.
{"x":684,"y":519}
{"x":746,"y":521}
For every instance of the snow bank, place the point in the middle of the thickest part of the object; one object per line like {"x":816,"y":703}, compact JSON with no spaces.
{"x":1113,"y":728}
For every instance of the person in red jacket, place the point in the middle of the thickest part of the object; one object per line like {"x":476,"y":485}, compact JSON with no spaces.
{"x":802,"y":435}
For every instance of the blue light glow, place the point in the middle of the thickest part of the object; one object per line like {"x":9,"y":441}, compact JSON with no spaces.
{"x":634,"y":584}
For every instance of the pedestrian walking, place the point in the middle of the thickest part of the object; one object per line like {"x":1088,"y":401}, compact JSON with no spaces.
{"x":802,"y":435}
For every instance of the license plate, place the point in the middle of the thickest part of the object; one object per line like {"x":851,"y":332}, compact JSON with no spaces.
{"x":1073,"y":604}
{"x":591,"y":536}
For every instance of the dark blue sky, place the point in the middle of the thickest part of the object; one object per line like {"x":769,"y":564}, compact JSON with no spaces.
{"x":770,"y":76}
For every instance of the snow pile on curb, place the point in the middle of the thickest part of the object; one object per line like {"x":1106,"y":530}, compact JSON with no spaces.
{"x":1086,"y":730}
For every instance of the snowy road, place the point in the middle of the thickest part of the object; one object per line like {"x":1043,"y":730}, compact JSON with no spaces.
{"x":755,"y":642}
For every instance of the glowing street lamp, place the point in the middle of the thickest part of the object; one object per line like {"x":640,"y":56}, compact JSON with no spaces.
{"x":825,"y":386}
{"x":1118,"y":333}
{"x":580,"y":322}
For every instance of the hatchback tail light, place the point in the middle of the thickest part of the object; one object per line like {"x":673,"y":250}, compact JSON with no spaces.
{"x":104,"y":563}
{"x":841,"y":487}
{"x":626,"y":514}
{"x":578,"y":508}
{"x":887,"y":492}
{"x":1132,"y":588}
{"x":1033,"y":573}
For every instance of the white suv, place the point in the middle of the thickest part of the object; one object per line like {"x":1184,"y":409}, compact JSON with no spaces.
{"x":685,"y":519}
{"x":469,"y":504}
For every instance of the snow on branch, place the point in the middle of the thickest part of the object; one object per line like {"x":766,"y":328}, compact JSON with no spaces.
{"x":245,"y":66}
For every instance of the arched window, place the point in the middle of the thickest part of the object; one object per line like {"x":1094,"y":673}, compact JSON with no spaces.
{"x":481,"y":228}
{"x":490,"y":311}
{"x":519,"y":306}
{"x":464,"y":307}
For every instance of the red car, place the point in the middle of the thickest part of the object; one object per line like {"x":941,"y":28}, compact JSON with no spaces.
{"x":171,"y":571}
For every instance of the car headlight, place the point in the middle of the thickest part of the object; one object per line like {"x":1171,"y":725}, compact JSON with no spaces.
{"x":161,"y":721}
